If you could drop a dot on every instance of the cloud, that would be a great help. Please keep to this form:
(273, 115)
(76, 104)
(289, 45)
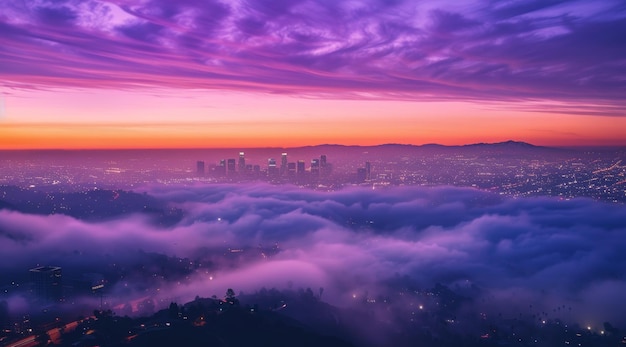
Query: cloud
(553, 251)
(564, 51)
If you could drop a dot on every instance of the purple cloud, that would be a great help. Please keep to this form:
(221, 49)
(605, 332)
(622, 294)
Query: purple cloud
(546, 250)
(566, 51)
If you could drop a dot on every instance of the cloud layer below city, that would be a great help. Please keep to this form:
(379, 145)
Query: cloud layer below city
(538, 251)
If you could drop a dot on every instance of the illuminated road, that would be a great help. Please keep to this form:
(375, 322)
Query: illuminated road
(55, 336)
(27, 342)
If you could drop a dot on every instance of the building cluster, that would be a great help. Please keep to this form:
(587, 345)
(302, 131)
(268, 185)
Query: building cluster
(275, 170)
(567, 174)
(46, 291)
(318, 170)
(48, 285)
(364, 174)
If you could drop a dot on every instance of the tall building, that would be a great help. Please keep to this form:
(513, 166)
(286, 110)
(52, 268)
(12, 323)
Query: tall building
(272, 169)
(368, 171)
(360, 175)
(242, 163)
(220, 169)
(47, 282)
(291, 170)
(324, 166)
(315, 168)
(283, 164)
(200, 168)
(230, 167)
(300, 168)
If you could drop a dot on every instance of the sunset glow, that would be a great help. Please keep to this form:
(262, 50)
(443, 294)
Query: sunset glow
(338, 173)
(156, 74)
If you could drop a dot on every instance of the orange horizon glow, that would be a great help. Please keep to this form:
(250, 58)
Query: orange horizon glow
(119, 120)
(194, 135)
(445, 72)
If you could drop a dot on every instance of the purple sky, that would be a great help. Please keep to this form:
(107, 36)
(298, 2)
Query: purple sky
(476, 50)
(258, 73)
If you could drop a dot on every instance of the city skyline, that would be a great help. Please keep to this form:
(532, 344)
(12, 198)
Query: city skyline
(312, 172)
(78, 75)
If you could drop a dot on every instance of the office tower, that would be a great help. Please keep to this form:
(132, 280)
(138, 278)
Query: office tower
(200, 168)
(47, 282)
(360, 175)
(324, 167)
(315, 168)
(368, 171)
(230, 167)
(328, 170)
(272, 169)
(221, 169)
(283, 164)
(242, 163)
(291, 170)
(300, 168)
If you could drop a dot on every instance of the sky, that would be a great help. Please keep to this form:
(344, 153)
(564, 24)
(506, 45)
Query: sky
(284, 73)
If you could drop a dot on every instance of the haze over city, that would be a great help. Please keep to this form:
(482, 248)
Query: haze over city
(312, 173)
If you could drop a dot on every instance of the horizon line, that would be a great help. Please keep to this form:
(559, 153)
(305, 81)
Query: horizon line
(313, 145)
(260, 147)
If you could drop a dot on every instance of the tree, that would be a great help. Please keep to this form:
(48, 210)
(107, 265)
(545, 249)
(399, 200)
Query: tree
(173, 310)
(101, 314)
(230, 297)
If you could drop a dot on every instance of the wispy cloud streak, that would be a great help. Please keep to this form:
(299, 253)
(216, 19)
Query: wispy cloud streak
(559, 50)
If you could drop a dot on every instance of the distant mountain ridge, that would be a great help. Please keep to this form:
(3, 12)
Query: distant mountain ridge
(509, 147)
(509, 143)
(504, 144)
(512, 144)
